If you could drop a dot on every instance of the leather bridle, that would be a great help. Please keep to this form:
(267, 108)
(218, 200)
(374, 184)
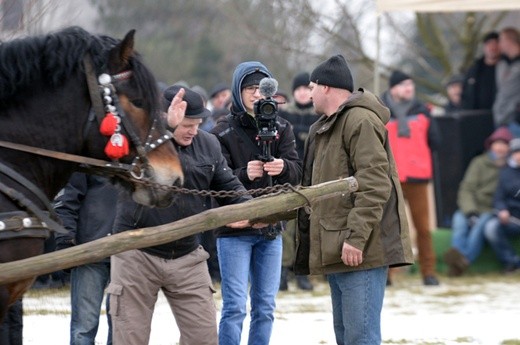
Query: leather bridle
(140, 168)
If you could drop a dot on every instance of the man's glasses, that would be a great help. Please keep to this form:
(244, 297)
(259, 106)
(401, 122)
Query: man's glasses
(251, 89)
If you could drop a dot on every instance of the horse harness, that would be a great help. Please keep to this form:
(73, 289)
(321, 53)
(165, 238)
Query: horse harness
(38, 223)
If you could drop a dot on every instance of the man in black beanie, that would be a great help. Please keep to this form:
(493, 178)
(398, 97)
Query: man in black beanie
(352, 239)
(413, 136)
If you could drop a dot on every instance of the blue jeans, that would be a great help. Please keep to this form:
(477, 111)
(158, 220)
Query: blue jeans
(87, 288)
(357, 300)
(498, 237)
(243, 259)
(469, 241)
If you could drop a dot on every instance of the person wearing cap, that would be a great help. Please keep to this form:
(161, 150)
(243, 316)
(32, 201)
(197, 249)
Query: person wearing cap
(479, 87)
(475, 203)
(506, 203)
(352, 239)
(507, 100)
(252, 256)
(219, 95)
(176, 268)
(454, 92)
(300, 113)
(413, 137)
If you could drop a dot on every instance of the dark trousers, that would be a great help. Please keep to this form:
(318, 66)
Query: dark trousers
(11, 330)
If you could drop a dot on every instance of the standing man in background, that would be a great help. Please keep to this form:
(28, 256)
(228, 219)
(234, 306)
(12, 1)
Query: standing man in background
(413, 136)
(479, 88)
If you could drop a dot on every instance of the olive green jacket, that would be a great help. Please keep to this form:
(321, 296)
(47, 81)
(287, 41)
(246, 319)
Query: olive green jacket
(353, 142)
(478, 186)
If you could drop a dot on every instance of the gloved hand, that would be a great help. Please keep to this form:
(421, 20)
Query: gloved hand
(472, 219)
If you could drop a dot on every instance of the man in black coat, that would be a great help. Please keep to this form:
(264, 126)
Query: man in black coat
(177, 268)
(479, 88)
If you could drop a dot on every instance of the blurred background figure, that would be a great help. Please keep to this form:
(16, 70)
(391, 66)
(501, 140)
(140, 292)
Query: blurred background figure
(454, 93)
(506, 203)
(300, 113)
(219, 96)
(413, 137)
(282, 98)
(479, 87)
(475, 203)
(508, 81)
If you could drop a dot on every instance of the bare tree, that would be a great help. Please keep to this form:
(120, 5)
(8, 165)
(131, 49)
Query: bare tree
(33, 17)
(201, 41)
(432, 46)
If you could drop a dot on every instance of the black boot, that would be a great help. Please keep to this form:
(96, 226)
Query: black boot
(304, 283)
(283, 279)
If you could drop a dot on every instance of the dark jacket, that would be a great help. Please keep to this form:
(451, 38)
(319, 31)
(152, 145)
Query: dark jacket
(87, 208)
(479, 88)
(353, 142)
(241, 147)
(204, 168)
(301, 117)
(507, 193)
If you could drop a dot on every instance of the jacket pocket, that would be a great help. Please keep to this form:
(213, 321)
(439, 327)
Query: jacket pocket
(333, 232)
(115, 291)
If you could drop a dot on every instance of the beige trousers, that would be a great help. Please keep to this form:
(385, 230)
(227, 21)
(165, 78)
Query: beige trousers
(137, 277)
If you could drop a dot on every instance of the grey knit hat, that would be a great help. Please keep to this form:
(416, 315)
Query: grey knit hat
(333, 72)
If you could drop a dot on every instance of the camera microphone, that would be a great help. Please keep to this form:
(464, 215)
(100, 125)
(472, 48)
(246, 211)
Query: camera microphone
(268, 87)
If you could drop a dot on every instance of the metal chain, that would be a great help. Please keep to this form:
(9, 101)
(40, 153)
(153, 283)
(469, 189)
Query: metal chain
(272, 190)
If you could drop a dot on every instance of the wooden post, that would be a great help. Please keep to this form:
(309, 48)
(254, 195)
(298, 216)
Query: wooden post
(93, 251)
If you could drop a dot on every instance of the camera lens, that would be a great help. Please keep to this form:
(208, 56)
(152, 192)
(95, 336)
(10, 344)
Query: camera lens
(268, 108)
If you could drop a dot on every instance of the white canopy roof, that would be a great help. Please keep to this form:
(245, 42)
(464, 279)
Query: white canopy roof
(447, 5)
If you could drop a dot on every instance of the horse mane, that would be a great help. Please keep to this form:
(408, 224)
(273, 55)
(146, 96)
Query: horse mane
(53, 58)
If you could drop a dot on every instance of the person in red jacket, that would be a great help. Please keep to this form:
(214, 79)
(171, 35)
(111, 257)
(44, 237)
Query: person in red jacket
(412, 137)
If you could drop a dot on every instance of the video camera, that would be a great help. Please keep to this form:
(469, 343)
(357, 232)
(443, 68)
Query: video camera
(265, 115)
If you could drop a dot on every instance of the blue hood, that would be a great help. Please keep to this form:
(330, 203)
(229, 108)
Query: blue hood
(242, 70)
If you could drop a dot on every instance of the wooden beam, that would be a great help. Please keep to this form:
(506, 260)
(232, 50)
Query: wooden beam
(259, 208)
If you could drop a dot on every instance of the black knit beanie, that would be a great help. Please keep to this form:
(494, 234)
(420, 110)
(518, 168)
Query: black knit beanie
(301, 79)
(333, 72)
(397, 77)
(252, 79)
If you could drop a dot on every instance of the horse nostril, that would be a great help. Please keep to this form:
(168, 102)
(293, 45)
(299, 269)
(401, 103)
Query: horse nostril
(179, 181)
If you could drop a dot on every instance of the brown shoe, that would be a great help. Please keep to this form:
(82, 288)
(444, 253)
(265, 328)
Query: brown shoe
(456, 261)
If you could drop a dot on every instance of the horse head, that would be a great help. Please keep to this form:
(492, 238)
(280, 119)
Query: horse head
(130, 93)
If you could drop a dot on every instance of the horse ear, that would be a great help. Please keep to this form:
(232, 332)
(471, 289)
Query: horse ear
(120, 54)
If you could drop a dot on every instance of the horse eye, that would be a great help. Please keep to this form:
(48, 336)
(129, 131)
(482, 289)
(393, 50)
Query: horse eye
(137, 102)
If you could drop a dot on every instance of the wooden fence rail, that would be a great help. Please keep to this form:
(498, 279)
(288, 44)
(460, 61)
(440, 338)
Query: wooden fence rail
(258, 208)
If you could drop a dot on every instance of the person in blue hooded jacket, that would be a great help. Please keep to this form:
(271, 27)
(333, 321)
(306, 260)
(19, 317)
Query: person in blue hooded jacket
(249, 254)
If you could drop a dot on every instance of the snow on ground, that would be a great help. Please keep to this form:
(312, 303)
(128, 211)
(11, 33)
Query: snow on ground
(471, 310)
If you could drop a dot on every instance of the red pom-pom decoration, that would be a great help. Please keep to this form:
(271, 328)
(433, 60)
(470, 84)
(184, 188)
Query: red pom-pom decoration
(117, 147)
(108, 125)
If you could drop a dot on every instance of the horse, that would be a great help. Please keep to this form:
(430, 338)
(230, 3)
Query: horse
(73, 100)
